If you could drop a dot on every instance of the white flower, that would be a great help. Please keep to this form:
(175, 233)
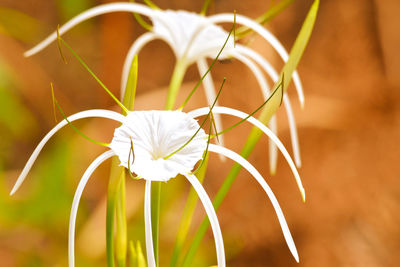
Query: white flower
(155, 135)
(164, 144)
(193, 38)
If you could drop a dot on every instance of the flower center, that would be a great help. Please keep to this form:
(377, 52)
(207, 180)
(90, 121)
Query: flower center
(146, 137)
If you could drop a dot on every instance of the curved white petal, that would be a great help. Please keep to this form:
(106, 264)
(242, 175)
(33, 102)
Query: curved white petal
(229, 111)
(147, 226)
(94, 113)
(273, 125)
(212, 216)
(270, 70)
(75, 203)
(243, 162)
(90, 13)
(134, 50)
(268, 36)
(209, 90)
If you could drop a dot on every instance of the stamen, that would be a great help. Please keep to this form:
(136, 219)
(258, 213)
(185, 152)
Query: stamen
(201, 125)
(279, 85)
(59, 44)
(73, 127)
(131, 151)
(204, 154)
(208, 70)
(54, 104)
(141, 21)
(151, 4)
(93, 75)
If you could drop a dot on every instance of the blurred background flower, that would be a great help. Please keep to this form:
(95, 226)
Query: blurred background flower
(348, 133)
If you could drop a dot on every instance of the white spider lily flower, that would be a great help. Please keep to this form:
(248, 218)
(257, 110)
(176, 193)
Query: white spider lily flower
(157, 146)
(193, 38)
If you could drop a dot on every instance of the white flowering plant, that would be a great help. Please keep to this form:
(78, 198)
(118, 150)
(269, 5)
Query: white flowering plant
(157, 145)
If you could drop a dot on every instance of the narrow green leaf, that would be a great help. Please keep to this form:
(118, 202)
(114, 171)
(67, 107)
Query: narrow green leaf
(121, 233)
(268, 111)
(266, 17)
(117, 173)
(141, 260)
(131, 85)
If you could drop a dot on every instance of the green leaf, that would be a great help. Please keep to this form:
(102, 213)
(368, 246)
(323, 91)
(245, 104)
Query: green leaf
(264, 18)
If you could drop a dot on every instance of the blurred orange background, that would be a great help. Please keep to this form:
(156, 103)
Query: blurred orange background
(348, 130)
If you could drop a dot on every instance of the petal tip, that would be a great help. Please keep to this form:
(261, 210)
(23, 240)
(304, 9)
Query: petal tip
(303, 195)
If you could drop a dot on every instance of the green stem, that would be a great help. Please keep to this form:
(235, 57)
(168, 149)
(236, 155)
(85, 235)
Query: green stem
(175, 84)
(121, 237)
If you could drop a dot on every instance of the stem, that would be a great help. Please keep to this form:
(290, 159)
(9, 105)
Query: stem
(121, 237)
(175, 84)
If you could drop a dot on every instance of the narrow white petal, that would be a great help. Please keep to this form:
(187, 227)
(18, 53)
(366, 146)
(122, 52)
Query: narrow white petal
(75, 203)
(293, 131)
(209, 90)
(233, 112)
(250, 168)
(147, 226)
(212, 216)
(274, 76)
(273, 124)
(94, 113)
(134, 50)
(90, 13)
(268, 36)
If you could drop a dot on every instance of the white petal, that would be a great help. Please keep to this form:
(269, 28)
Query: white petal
(209, 90)
(274, 76)
(243, 162)
(94, 113)
(75, 203)
(273, 152)
(134, 50)
(268, 36)
(155, 135)
(90, 13)
(190, 35)
(212, 216)
(147, 226)
(229, 111)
